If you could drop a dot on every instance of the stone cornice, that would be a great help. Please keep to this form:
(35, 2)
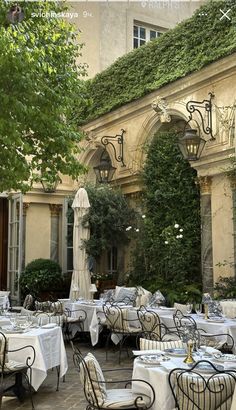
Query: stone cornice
(176, 90)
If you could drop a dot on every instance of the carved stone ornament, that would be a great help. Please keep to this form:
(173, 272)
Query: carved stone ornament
(225, 117)
(55, 209)
(205, 184)
(160, 105)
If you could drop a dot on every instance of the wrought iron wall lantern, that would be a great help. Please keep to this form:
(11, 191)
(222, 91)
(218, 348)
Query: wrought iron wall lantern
(104, 170)
(50, 187)
(191, 144)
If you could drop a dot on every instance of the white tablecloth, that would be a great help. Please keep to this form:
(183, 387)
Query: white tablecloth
(227, 327)
(49, 348)
(158, 378)
(95, 316)
(229, 308)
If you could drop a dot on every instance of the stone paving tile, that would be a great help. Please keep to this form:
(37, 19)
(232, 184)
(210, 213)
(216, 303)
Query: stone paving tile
(70, 395)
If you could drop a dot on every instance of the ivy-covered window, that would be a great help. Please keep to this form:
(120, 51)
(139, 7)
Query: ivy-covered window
(142, 34)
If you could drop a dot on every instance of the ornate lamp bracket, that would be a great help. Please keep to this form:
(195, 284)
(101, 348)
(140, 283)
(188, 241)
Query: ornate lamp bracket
(119, 139)
(201, 107)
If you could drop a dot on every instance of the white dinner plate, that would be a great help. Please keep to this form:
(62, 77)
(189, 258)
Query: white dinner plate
(49, 326)
(153, 358)
(216, 320)
(176, 352)
(225, 358)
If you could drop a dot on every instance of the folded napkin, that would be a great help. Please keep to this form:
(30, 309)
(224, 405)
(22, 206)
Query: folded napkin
(212, 350)
(146, 352)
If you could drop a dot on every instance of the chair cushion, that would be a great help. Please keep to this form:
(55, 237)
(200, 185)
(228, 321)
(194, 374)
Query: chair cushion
(28, 302)
(124, 398)
(191, 388)
(96, 387)
(128, 294)
(13, 366)
(181, 307)
(143, 297)
(3, 349)
(146, 344)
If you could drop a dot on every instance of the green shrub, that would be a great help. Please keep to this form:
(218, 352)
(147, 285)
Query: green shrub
(225, 288)
(167, 252)
(40, 275)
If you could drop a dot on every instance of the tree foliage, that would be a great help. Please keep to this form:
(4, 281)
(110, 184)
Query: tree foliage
(108, 219)
(188, 47)
(39, 84)
(168, 252)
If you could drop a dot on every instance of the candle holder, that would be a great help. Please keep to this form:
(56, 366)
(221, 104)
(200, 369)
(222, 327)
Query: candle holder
(206, 311)
(189, 359)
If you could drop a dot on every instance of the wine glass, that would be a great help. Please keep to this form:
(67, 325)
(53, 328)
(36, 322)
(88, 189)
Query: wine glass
(189, 308)
(198, 308)
(201, 351)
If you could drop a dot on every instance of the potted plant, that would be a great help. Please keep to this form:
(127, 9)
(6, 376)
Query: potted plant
(41, 278)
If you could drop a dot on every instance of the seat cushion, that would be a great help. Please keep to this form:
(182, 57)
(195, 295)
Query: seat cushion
(192, 393)
(123, 398)
(3, 349)
(94, 386)
(126, 294)
(13, 366)
(146, 344)
(181, 307)
(28, 302)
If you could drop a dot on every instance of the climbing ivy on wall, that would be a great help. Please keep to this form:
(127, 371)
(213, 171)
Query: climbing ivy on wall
(188, 47)
(167, 251)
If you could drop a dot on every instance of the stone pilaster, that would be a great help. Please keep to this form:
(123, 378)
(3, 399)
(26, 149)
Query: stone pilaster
(25, 208)
(206, 234)
(54, 242)
(233, 187)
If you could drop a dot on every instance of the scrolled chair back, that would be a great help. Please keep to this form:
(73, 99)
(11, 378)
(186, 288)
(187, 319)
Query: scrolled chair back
(113, 315)
(182, 321)
(202, 391)
(150, 323)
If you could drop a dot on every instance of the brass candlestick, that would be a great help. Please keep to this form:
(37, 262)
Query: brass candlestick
(206, 310)
(189, 359)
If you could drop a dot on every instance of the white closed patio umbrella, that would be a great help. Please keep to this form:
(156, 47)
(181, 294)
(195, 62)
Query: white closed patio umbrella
(81, 281)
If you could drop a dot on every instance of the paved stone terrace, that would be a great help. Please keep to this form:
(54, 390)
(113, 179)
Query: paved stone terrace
(70, 394)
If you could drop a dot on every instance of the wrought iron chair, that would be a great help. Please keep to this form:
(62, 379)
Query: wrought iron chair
(119, 326)
(150, 323)
(76, 317)
(10, 369)
(200, 391)
(183, 322)
(99, 397)
(220, 341)
(152, 328)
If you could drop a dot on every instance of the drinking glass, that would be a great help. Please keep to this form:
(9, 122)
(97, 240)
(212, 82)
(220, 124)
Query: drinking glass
(189, 308)
(198, 308)
(201, 351)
